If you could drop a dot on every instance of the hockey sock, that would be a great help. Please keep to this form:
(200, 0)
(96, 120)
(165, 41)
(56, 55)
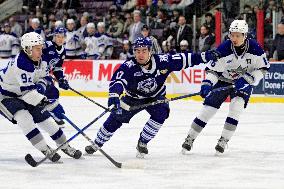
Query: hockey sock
(201, 120)
(53, 130)
(26, 123)
(150, 130)
(235, 110)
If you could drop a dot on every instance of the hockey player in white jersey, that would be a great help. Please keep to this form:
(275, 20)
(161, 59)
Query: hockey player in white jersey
(243, 64)
(9, 43)
(105, 42)
(91, 43)
(21, 102)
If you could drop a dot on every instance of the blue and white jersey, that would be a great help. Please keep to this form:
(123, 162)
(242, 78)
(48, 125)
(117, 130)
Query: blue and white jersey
(9, 45)
(104, 41)
(141, 83)
(54, 57)
(73, 44)
(232, 66)
(20, 76)
(91, 43)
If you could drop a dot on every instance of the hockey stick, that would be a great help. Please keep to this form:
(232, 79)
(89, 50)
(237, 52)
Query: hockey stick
(129, 108)
(32, 162)
(84, 96)
(115, 163)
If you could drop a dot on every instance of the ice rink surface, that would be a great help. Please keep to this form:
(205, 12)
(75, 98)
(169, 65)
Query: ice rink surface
(254, 159)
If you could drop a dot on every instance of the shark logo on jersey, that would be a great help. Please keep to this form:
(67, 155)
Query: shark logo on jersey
(163, 58)
(235, 73)
(147, 86)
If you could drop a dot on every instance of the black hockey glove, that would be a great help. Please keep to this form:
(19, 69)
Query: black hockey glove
(114, 101)
(63, 83)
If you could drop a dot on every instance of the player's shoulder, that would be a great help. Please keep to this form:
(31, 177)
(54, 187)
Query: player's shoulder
(24, 63)
(128, 64)
(254, 48)
(225, 48)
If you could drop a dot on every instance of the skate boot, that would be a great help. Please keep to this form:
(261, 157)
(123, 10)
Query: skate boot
(221, 145)
(72, 152)
(187, 145)
(54, 158)
(141, 149)
(91, 149)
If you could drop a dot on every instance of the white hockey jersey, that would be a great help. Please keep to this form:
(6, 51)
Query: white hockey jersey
(9, 45)
(232, 66)
(73, 44)
(19, 78)
(105, 44)
(91, 43)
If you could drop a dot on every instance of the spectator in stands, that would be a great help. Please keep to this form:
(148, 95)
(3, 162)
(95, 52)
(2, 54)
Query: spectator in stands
(127, 23)
(9, 43)
(182, 32)
(150, 9)
(30, 5)
(206, 39)
(277, 49)
(15, 27)
(156, 49)
(135, 27)
(184, 46)
(115, 28)
(127, 52)
(167, 47)
(162, 6)
(210, 22)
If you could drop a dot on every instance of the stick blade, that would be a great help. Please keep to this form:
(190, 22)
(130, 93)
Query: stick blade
(30, 160)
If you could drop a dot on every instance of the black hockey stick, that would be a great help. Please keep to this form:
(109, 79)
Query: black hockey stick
(84, 96)
(31, 161)
(129, 108)
(115, 163)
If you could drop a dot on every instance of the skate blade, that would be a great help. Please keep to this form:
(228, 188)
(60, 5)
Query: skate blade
(140, 155)
(86, 154)
(217, 153)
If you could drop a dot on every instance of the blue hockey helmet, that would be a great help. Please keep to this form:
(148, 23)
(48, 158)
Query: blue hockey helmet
(60, 30)
(142, 42)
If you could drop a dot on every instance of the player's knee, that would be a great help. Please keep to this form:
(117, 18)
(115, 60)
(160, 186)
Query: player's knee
(236, 107)
(207, 113)
(111, 124)
(161, 115)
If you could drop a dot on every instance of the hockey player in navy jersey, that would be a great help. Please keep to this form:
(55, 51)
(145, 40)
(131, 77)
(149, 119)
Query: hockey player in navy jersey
(53, 56)
(142, 78)
(242, 63)
(20, 101)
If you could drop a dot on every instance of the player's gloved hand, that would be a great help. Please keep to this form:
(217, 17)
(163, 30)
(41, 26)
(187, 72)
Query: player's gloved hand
(63, 83)
(114, 101)
(58, 111)
(243, 86)
(41, 87)
(206, 88)
(210, 55)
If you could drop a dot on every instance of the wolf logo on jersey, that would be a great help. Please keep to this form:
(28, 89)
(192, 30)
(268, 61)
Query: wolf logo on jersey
(147, 86)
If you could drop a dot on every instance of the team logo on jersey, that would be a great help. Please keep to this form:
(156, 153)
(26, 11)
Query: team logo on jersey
(235, 73)
(164, 71)
(51, 52)
(129, 63)
(147, 86)
(163, 58)
(137, 74)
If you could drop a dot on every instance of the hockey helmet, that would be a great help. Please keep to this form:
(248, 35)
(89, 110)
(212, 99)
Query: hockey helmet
(29, 40)
(240, 26)
(142, 42)
(60, 30)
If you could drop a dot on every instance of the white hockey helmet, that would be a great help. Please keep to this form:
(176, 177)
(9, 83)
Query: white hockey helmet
(240, 26)
(29, 40)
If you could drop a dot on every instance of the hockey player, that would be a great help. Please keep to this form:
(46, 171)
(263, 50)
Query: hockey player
(53, 56)
(91, 42)
(242, 63)
(20, 101)
(105, 42)
(142, 78)
(9, 43)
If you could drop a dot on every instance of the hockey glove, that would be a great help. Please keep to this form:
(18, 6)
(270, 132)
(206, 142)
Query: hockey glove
(63, 84)
(114, 101)
(210, 55)
(206, 88)
(243, 86)
(41, 87)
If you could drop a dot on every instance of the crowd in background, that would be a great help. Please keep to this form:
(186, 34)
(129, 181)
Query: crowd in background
(167, 22)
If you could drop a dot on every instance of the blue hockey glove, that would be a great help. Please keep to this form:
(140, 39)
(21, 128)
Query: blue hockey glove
(63, 84)
(114, 101)
(41, 87)
(58, 111)
(206, 88)
(243, 87)
(210, 55)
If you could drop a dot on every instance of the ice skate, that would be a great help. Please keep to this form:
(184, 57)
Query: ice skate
(91, 149)
(221, 145)
(48, 152)
(72, 152)
(141, 149)
(187, 145)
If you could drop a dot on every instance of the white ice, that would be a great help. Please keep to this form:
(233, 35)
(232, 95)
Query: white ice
(254, 159)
